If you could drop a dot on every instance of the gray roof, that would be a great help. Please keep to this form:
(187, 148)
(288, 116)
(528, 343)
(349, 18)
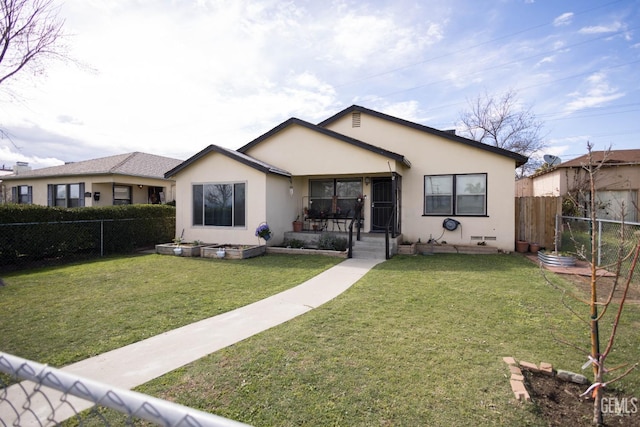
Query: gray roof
(132, 164)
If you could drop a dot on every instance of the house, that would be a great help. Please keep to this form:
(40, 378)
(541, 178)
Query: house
(3, 171)
(122, 179)
(617, 183)
(409, 177)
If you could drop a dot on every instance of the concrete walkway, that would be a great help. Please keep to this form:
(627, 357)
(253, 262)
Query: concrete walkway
(138, 363)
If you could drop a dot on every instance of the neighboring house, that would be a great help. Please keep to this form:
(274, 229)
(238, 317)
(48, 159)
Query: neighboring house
(3, 171)
(617, 182)
(411, 176)
(123, 179)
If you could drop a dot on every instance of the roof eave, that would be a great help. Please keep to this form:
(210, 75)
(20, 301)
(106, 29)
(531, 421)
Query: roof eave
(217, 149)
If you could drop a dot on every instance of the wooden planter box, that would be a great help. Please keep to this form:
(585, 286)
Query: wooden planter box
(234, 251)
(407, 249)
(187, 250)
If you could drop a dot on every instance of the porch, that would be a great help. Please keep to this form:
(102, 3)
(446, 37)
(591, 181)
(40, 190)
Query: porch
(370, 245)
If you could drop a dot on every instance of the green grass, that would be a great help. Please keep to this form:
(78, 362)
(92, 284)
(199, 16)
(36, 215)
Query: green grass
(418, 341)
(60, 315)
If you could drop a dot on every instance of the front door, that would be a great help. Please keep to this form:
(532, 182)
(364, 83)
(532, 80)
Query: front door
(381, 203)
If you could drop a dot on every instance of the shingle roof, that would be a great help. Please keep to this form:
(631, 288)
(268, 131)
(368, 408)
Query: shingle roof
(236, 155)
(133, 164)
(614, 157)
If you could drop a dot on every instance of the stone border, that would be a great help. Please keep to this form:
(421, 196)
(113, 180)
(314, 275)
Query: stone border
(517, 379)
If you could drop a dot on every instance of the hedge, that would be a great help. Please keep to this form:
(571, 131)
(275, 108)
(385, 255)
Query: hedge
(32, 233)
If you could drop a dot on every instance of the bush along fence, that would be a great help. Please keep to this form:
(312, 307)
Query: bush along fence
(37, 234)
(575, 232)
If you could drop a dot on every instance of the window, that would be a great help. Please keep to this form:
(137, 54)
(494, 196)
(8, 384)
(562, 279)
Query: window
(66, 195)
(455, 194)
(329, 196)
(22, 194)
(121, 195)
(219, 204)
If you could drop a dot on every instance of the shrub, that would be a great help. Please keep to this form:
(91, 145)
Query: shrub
(31, 233)
(331, 242)
(293, 243)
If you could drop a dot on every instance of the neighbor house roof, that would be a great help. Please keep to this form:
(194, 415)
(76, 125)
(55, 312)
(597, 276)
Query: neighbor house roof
(611, 158)
(520, 159)
(133, 164)
(235, 155)
(327, 132)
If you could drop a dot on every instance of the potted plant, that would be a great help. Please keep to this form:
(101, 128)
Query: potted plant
(263, 231)
(297, 225)
(522, 246)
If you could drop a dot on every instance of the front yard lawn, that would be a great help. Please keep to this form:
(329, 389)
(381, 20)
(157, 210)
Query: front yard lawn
(418, 341)
(60, 315)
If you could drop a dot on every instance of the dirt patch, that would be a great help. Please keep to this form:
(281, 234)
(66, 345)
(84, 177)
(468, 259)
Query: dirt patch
(605, 284)
(559, 403)
(580, 277)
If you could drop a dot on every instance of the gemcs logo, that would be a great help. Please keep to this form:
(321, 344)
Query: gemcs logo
(619, 406)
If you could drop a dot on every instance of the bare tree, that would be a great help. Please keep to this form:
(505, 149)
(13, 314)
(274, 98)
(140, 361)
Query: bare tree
(626, 252)
(30, 34)
(500, 121)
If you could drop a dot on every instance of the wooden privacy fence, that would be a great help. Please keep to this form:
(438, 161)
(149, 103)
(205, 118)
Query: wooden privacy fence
(536, 219)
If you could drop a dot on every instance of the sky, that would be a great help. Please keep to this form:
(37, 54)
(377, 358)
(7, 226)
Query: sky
(170, 77)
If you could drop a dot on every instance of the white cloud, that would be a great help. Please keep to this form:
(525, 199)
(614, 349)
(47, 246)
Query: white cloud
(564, 19)
(596, 92)
(599, 29)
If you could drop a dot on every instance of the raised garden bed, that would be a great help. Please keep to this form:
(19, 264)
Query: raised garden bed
(185, 249)
(234, 251)
(407, 249)
(556, 259)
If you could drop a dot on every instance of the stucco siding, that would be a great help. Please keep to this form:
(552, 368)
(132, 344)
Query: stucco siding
(92, 184)
(280, 207)
(548, 185)
(433, 155)
(217, 168)
(302, 151)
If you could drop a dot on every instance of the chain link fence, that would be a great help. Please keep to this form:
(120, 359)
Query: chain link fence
(24, 245)
(575, 238)
(48, 397)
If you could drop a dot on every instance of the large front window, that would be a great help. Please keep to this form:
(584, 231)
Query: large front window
(455, 194)
(66, 195)
(333, 196)
(219, 204)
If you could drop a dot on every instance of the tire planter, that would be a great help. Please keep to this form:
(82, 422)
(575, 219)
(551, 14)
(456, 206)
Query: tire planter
(555, 260)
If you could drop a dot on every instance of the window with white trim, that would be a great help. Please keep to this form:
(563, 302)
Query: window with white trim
(222, 204)
(463, 194)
